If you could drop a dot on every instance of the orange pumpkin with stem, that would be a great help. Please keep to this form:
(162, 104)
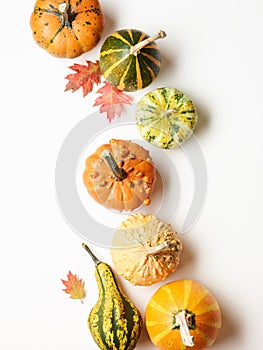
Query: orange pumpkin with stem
(120, 175)
(66, 28)
(183, 315)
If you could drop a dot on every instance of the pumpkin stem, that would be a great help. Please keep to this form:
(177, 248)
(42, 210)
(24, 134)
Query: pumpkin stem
(181, 320)
(119, 173)
(94, 258)
(136, 48)
(63, 9)
(157, 248)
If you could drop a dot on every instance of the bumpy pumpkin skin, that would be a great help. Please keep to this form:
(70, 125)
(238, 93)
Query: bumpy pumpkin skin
(67, 37)
(145, 249)
(131, 192)
(174, 297)
(126, 71)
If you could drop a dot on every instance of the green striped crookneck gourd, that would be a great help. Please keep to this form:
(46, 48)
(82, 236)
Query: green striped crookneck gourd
(130, 60)
(114, 321)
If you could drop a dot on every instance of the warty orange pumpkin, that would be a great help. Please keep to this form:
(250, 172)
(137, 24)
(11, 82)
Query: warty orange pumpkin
(183, 315)
(120, 175)
(67, 28)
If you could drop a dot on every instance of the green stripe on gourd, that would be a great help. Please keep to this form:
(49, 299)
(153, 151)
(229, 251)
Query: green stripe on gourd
(130, 60)
(166, 117)
(114, 321)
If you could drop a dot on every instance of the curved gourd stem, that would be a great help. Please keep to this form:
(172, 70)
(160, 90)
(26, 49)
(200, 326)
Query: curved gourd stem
(181, 321)
(119, 173)
(94, 258)
(157, 248)
(136, 48)
(63, 9)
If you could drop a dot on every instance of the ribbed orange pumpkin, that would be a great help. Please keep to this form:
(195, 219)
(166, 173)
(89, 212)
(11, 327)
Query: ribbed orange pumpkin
(182, 307)
(67, 28)
(120, 175)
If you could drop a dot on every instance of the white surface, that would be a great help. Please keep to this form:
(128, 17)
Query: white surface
(213, 52)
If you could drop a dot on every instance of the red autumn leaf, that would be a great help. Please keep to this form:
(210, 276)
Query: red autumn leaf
(74, 287)
(85, 77)
(111, 100)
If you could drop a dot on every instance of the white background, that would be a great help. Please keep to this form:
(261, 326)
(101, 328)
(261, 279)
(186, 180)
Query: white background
(213, 52)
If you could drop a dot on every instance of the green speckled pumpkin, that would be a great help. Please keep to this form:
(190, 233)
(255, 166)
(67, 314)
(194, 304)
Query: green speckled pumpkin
(166, 117)
(67, 28)
(130, 60)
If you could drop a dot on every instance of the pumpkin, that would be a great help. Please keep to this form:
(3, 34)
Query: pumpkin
(181, 315)
(129, 59)
(114, 321)
(67, 29)
(166, 117)
(145, 249)
(120, 175)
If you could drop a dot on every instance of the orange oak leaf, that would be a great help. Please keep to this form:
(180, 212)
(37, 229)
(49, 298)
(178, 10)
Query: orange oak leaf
(111, 100)
(74, 287)
(85, 77)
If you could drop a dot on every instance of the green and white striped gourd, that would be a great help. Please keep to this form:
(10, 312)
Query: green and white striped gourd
(166, 117)
(129, 59)
(114, 321)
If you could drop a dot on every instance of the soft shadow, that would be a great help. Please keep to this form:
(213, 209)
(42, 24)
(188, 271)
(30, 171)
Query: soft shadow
(188, 257)
(231, 326)
(203, 118)
(187, 264)
(145, 339)
(167, 66)
(110, 25)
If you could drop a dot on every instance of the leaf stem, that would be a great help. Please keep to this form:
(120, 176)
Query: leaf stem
(136, 48)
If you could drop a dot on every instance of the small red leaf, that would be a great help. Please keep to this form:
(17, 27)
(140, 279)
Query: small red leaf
(111, 100)
(74, 287)
(85, 77)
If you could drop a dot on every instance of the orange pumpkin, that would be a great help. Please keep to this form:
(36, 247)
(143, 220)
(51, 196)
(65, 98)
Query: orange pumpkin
(183, 315)
(67, 28)
(120, 175)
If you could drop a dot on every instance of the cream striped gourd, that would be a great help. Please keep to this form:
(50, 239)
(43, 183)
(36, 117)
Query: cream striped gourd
(129, 59)
(182, 315)
(166, 117)
(114, 321)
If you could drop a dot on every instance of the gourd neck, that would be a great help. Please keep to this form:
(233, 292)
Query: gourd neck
(94, 258)
(134, 50)
(184, 321)
(104, 275)
(119, 173)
